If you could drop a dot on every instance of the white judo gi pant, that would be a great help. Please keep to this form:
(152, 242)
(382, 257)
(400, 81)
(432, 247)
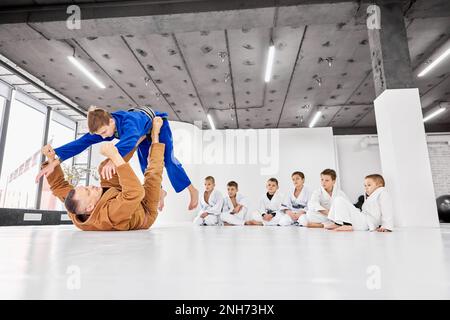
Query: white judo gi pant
(209, 220)
(286, 220)
(343, 210)
(258, 217)
(237, 219)
(316, 217)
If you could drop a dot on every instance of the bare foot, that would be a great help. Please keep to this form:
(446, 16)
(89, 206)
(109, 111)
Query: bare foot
(314, 225)
(331, 226)
(344, 228)
(194, 197)
(253, 223)
(227, 224)
(162, 195)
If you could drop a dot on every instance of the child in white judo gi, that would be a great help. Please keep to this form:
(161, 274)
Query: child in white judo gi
(270, 206)
(322, 199)
(235, 206)
(376, 214)
(295, 204)
(211, 203)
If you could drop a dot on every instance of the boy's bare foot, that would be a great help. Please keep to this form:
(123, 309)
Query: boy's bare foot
(162, 195)
(194, 197)
(253, 223)
(344, 228)
(331, 226)
(314, 225)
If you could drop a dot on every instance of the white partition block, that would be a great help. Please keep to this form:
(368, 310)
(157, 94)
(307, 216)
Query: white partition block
(404, 157)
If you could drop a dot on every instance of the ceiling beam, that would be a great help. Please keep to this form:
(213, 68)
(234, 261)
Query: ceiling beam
(144, 17)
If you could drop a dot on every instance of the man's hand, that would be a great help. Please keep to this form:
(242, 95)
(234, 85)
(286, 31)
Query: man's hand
(48, 151)
(156, 128)
(381, 229)
(267, 217)
(109, 150)
(45, 171)
(204, 215)
(108, 170)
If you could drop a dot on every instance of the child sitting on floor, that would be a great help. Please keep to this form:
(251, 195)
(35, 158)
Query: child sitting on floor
(376, 214)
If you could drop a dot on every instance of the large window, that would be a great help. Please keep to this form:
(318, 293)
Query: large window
(22, 155)
(2, 108)
(61, 131)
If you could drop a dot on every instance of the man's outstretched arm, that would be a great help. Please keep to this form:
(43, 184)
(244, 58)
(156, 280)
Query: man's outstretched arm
(154, 171)
(59, 186)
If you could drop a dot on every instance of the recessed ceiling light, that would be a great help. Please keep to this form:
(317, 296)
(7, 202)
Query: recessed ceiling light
(269, 64)
(433, 64)
(86, 72)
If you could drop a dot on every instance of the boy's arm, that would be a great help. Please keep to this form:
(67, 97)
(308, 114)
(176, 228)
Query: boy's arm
(244, 208)
(286, 204)
(58, 185)
(314, 202)
(225, 208)
(262, 207)
(77, 146)
(216, 209)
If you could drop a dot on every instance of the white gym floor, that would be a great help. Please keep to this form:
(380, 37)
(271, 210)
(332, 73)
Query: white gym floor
(187, 262)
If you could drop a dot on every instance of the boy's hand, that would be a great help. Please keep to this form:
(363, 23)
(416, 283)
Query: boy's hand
(109, 150)
(204, 215)
(108, 170)
(381, 229)
(295, 216)
(237, 208)
(267, 217)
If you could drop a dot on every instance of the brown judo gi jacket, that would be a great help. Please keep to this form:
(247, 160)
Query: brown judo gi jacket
(127, 204)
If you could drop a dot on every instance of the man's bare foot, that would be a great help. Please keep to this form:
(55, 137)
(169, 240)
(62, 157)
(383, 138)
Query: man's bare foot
(227, 224)
(162, 195)
(253, 223)
(331, 226)
(344, 228)
(194, 197)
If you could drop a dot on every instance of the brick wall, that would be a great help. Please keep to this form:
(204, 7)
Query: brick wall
(439, 151)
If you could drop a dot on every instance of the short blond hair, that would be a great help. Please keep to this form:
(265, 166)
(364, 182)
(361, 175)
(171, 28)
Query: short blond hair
(210, 178)
(378, 178)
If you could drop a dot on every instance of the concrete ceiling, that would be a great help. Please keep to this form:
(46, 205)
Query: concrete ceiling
(191, 63)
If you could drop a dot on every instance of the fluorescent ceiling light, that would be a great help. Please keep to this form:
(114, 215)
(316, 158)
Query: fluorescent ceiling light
(434, 114)
(434, 63)
(315, 119)
(269, 63)
(86, 71)
(211, 122)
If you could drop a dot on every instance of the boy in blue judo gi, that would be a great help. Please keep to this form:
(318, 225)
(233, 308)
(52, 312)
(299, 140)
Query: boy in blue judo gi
(132, 128)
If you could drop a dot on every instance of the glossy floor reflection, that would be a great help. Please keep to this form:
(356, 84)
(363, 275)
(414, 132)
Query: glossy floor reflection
(186, 262)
